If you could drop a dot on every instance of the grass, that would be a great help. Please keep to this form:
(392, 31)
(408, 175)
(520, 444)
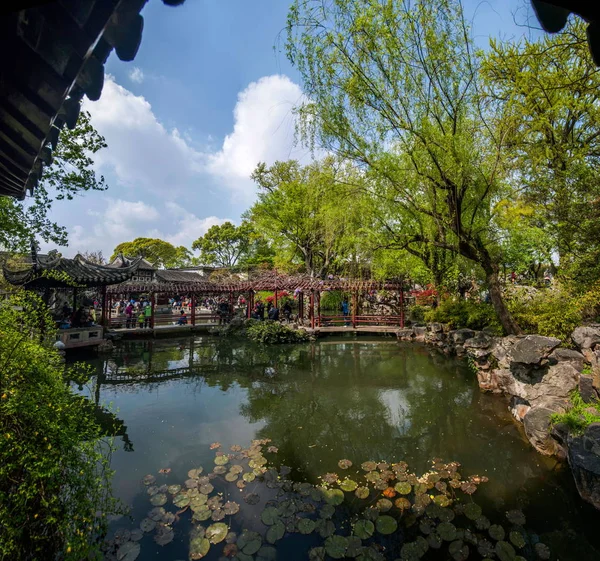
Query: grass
(579, 416)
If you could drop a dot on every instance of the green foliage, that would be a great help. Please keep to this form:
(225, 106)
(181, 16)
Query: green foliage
(158, 252)
(464, 314)
(71, 173)
(417, 313)
(273, 332)
(579, 415)
(332, 300)
(225, 245)
(54, 475)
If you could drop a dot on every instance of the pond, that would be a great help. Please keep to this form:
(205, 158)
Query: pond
(340, 398)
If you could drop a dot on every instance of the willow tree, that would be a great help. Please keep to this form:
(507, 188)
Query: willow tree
(394, 87)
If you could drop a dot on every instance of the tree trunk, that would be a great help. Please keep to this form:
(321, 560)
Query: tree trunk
(509, 325)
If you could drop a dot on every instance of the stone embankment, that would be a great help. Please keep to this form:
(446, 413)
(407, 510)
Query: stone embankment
(538, 375)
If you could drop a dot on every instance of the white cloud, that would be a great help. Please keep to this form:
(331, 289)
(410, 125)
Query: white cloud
(136, 75)
(263, 131)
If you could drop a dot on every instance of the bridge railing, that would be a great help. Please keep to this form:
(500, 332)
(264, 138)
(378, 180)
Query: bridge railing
(357, 321)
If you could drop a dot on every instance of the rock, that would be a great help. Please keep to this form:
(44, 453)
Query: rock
(568, 355)
(501, 350)
(533, 348)
(420, 333)
(479, 341)
(519, 408)
(586, 388)
(499, 380)
(584, 459)
(436, 327)
(537, 427)
(406, 334)
(585, 337)
(557, 381)
(459, 336)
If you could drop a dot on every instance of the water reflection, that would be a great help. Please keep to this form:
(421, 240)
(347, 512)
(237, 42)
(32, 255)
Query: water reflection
(354, 399)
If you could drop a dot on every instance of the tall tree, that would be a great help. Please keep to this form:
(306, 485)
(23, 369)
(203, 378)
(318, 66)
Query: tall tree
(550, 93)
(70, 174)
(158, 252)
(394, 87)
(309, 212)
(224, 245)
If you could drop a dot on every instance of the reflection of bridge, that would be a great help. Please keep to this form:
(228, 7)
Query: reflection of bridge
(154, 376)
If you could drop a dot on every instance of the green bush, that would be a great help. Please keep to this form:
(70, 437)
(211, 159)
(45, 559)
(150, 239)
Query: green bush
(331, 300)
(460, 314)
(54, 476)
(579, 415)
(273, 332)
(417, 313)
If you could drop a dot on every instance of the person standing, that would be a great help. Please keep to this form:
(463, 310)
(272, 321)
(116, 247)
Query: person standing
(346, 311)
(147, 311)
(129, 315)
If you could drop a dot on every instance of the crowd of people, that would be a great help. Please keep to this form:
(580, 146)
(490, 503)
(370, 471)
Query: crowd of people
(83, 316)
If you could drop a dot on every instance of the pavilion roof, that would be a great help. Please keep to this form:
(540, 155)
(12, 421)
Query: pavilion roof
(120, 262)
(54, 271)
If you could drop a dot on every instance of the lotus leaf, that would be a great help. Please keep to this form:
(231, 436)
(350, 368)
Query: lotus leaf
(182, 500)
(218, 514)
(348, 485)
(315, 495)
(497, 532)
(410, 552)
(174, 489)
(236, 468)
(344, 464)
(542, 551)
(434, 541)
(389, 492)
(441, 500)
(306, 526)
(270, 515)
(305, 489)
(472, 511)
(202, 515)
(403, 487)
(505, 551)
(327, 511)
(427, 526)
(195, 473)
(235, 448)
(446, 515)
(231, 537)
(354, 546)
(336, 546)
(215, 445)
(252, 499)
(325, 527)
(152, 490)
(192, 493)
(266, 553)
(330, 477)
(386, 524)
(468, 487)
(384, 505)
(168, 518)
(122, 535)
(221, 460)
(216, 533)
(147, 525)
(441, 486)
(368, 466)
(373, 477)
(371, 514)
(333, 496)
(191, 483)
(364, 529)
(482, 523)
(275, 532)
(369, 554)
(231, 477)
(230, 550)
(517, 539)
(249, 477)
(156, 513)
(447, 531)
(362, 492)
(148, 479)
(402, 503)
(316, 554)
(219, 470)
(128, 551)
(206, 489)
(285, 470)
(136, 534)
(458, 550)
(199, 547)
(249, 542)
(287, 508)
(516, 517)
(231, 508)
(307, 507)
(164, 536)
(240, 484)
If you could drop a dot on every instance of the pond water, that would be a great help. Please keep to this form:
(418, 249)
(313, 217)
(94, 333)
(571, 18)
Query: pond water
(356, 399)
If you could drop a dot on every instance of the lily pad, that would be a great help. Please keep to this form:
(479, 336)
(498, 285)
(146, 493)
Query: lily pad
(327, 511)
(447, 531)
(168, 518)
(368, 466)
(333, 497)
(306, 526)
(402, 503)
(216, 533)
(136, 534)
(384, 505)
(148, 479)
(249, 477)
(364, 529)
(386, 524)
(336, 546)
(505, 551)
(202, 515)
(472, 511)
(325, 528)
(164, 536)
(129, 551)
(231, 477)
(542, 551)
(195, 473)
(344, 464)
(218, 514)
(330, 478)
(147, 525)
(362, 492)
(497, 532)
(174, 489)
(157, 513)
(199, 547)
(191, 483)
(206, 489)
(215, 445)
(181, 500)
(516, 517)
(403, 487)
(348, 485)
(441, 500)
(269, 516)
(152, 490)
(354, 546)
(266, 553)
(517, 539)
(275, 532)
(287, 508)
(482, 523)
(249, 542)
(221, 460)
(252, 498)
(236, 468)
(316, 554)
(458, 550)
(230, 508)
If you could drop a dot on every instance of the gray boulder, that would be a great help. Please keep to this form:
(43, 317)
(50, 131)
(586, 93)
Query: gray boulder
(459, 336)
(479, 341)
(584, 459)
(406, 334)
(532, 349)
(419, 332)
(586, 388)
(436, 327)
(571, 356)
(586, 337)
(557, 381)
(536, 424)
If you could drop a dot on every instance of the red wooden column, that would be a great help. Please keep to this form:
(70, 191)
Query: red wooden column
(311, 309)
(319, 308)
(402, 306)
(301, 307)
(354, 307)
(152, 299)
(193, 309)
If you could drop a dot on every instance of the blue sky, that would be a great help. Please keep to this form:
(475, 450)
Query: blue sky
(209, 95)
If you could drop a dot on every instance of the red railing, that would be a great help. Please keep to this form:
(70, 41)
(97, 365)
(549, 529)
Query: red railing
(356, 321)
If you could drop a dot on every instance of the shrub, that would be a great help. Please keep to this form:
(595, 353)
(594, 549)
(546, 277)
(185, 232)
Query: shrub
(465, 313)
(417, 313)
(579, 415)
(54, 474)
(273, 332)
(331, 300)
